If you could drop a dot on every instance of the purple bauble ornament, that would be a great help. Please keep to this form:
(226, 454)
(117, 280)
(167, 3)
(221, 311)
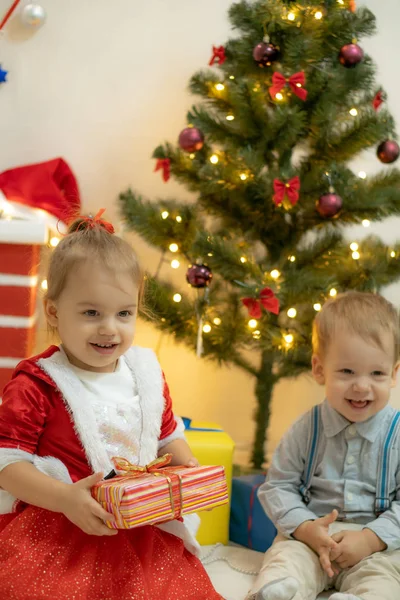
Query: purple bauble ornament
(388, 151)
(191, 139)
(265, 53)
(351, 55)
(329, 205)
(199, 276)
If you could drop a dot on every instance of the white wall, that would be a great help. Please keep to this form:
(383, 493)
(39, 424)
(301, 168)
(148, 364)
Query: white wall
(102, 84)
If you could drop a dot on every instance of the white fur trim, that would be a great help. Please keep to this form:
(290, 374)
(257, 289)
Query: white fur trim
(53, 467)
(82, 415)
(48, 465)
(176, 435)
(8, 456)
(147, 374)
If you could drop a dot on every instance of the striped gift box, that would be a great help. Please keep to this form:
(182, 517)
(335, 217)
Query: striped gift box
(161, 495)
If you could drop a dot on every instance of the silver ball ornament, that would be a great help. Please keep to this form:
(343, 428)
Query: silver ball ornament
(33, 15)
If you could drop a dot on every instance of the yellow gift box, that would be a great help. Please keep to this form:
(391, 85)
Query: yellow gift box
(212, 446)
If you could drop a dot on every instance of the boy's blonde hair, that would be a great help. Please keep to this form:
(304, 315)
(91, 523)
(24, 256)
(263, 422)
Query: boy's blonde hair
(365, 314)
(88, 239)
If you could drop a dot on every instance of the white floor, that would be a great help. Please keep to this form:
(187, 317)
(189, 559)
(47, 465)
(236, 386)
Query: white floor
(233, 569)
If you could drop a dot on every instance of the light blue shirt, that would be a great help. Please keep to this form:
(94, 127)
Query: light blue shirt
(345, 476)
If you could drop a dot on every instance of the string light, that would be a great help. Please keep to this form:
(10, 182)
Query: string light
(256, 334)
(289, 338)
(252, 323)
(219, 86)
(292, 312)
(217, 321)
(292, 258)
(243, 259)
(340, 1)
(164, 214)
(214, 159)
(192, 156)
(362, 175)
(333, 292)
(243, 176)
(291, 16)
(317, 306)
(365, 223)
(44, 284)
(54, 242)
(354, 246)
(210, 254)
(353, 112)
(177, 298)
(230, 117)
(231, 77)
(275, 273)
(318, 15)
(178, 219)
(278, 96)
(355, 255)
(175, 264)
(207, 328)
(393, 254)
(174, 247)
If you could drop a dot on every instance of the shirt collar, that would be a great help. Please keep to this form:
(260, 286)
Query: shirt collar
(334, 422)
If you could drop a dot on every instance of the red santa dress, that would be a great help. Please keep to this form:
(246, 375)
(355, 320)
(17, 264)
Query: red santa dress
(49, 418)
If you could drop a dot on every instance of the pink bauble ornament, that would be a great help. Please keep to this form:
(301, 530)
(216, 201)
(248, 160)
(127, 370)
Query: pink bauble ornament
(191, 139)
(351, 55)
(265, 53)
(388, 151)
(329, 205)
(199, 276)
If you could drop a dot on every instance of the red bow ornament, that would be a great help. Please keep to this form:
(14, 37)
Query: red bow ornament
(295, 82)
(378, 100)
(289, 190)
(267, 299)
(218, 56)
(165, 165)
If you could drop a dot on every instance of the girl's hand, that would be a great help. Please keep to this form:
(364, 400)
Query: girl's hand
(192, 462)
(81, 508)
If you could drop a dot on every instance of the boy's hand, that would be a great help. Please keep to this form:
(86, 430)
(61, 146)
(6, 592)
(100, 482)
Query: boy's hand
(316, 535)
(353, 546)
(81, 509)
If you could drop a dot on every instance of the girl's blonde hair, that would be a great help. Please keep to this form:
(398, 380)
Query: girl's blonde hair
(90, 239)
(365, 314)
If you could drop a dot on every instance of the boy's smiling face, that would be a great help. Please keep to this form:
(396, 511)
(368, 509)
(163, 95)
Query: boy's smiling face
(357, 374)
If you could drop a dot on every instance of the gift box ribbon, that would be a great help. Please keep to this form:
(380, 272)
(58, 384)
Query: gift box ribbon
(158, 468)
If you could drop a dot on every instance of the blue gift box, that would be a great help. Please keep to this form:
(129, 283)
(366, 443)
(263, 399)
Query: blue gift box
(249, 525)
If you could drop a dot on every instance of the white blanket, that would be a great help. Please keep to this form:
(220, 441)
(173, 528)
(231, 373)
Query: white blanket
(233, 569)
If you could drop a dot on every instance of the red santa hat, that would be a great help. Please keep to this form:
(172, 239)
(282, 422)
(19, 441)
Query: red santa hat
(50, 186)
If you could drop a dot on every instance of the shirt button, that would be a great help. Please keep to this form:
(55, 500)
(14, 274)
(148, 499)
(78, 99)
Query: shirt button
(351, 460)
(352, 430)
(350, 497)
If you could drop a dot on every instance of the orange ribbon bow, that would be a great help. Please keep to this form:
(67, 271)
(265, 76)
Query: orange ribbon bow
(352, 5)
(295, 81)
(267, 299)
(91, 222)
(289, 189)
(124, 467)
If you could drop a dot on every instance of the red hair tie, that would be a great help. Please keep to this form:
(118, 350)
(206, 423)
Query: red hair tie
(92, 222)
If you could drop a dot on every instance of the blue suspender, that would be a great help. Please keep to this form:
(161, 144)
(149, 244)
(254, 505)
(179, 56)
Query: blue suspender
(382, 501)
(385, 469)
(312, 452)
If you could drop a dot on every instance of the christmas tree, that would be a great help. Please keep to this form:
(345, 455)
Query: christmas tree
(286, 104)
